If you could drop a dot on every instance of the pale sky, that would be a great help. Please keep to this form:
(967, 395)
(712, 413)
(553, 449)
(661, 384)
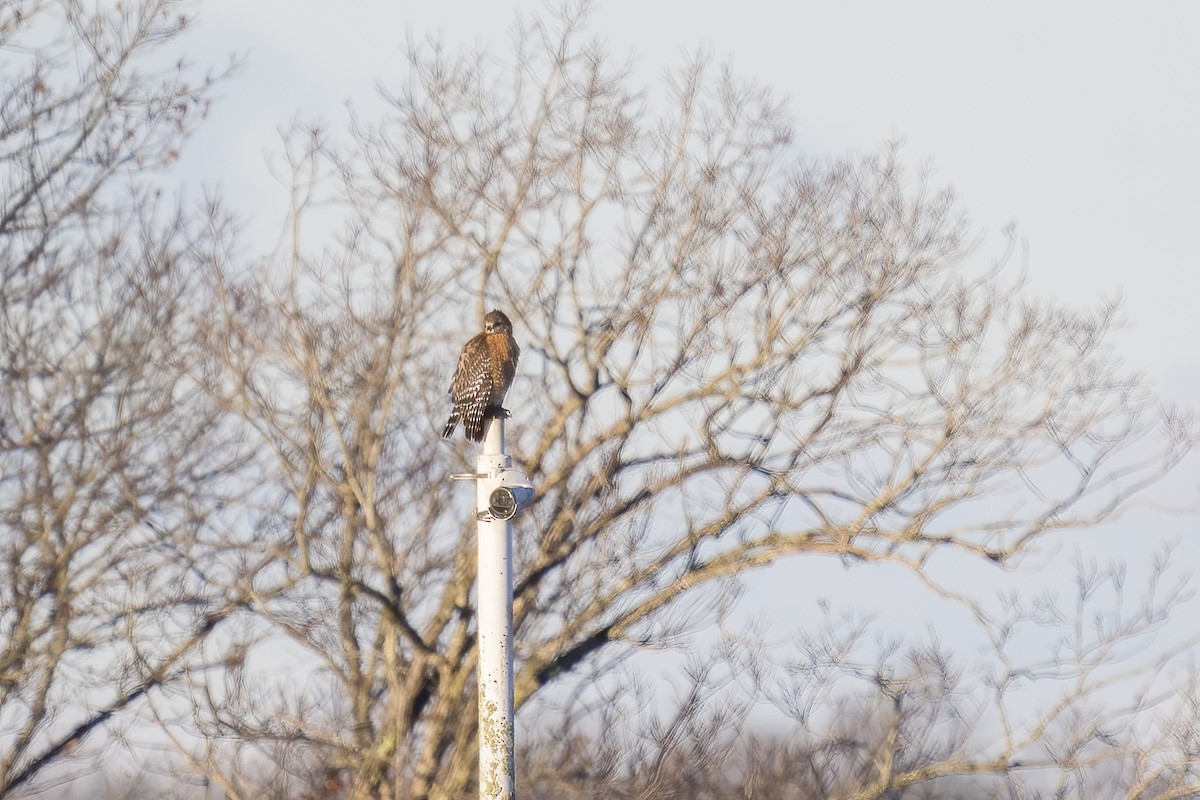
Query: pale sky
(1076, 120)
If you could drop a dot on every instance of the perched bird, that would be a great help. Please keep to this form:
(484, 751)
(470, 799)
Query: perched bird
(485, 371)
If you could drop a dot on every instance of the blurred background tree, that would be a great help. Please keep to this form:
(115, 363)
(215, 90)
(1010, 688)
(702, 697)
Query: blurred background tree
(111, 456)
(233, 505)
(732, 355)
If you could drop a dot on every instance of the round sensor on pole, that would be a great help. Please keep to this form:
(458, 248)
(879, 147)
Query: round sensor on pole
(502, 503)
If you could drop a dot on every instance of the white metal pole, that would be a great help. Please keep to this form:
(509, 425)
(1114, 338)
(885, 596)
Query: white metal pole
(494, 598)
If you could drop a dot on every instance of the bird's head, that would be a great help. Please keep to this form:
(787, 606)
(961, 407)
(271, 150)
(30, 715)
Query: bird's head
(496, 322)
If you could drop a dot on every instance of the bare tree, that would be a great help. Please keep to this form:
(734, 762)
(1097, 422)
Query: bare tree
(733, 355)
(1072, 699)
(109, 454)
(213, 473)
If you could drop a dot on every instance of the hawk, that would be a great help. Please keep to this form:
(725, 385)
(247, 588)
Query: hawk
(485, 371)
